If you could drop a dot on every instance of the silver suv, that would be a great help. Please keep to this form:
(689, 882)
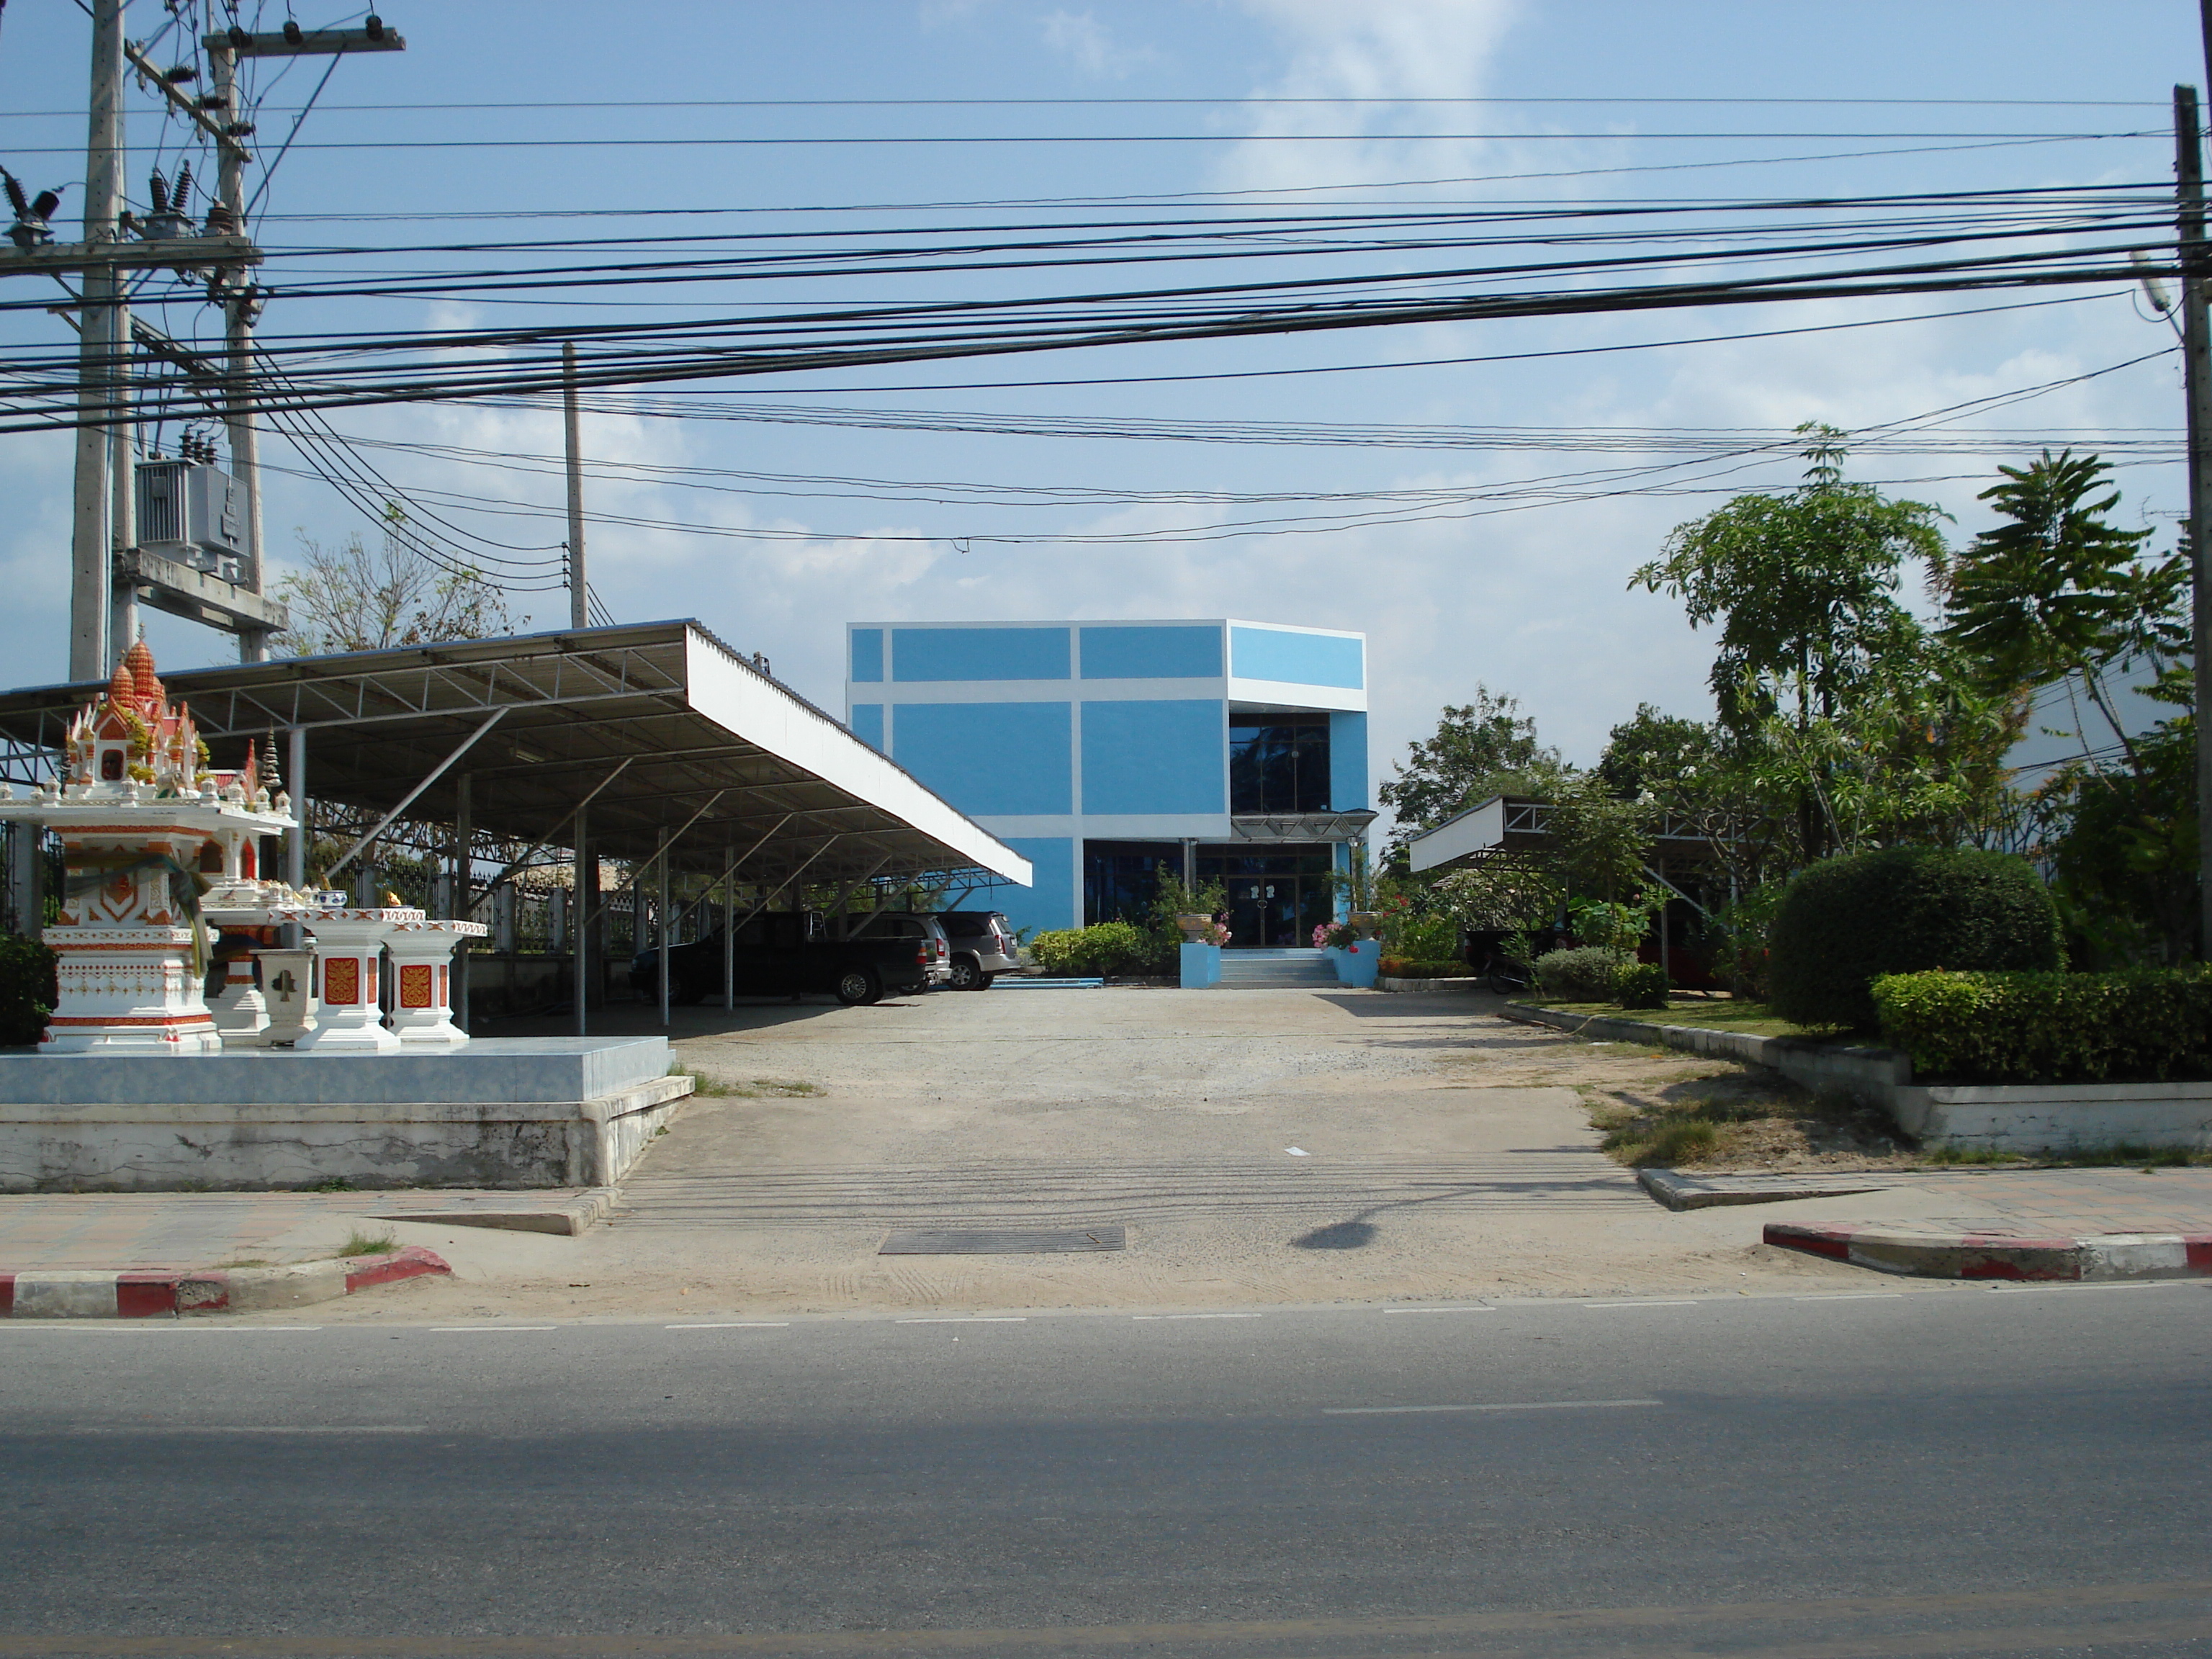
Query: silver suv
(983, 947)
(907, 924)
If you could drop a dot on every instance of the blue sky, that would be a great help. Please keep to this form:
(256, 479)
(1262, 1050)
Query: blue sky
(1533, 601)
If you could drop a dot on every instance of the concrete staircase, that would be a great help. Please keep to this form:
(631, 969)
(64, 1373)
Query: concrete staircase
(1276, 970)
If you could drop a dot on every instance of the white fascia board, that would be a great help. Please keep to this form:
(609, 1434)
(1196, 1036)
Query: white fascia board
(1282, 694)
(1294, 628)
(904, 691)
(1155, 826)
(750, 706)
(1475, 830)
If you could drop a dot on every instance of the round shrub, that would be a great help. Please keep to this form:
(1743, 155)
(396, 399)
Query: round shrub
(1585, 973)
(26, 989)
(1641, 985)
(1903, 910)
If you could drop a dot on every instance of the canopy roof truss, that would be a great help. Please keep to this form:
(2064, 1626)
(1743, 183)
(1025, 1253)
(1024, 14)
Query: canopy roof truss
(707, 744)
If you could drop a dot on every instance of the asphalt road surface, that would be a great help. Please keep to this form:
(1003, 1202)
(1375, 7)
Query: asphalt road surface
(1924, 1471)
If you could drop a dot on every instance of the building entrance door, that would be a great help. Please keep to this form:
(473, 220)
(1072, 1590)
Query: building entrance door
(1277, 912)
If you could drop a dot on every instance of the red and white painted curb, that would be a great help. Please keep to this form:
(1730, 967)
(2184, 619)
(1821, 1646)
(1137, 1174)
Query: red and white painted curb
(159, 1292)
(2001, 1256)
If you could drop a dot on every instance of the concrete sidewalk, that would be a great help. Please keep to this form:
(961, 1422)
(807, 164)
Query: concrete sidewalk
(148, 1231)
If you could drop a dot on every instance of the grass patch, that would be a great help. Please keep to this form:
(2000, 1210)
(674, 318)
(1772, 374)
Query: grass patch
(1734, 1119)
(1751, 1018)
(361, 1244)
(759, 1088)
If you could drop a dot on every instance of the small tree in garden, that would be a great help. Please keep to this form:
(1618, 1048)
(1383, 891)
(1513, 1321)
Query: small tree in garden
(1479, 748)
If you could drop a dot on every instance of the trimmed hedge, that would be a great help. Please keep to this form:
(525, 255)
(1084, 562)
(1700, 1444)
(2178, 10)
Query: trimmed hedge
(1641, 985)
(1905, 910)
(2141, 1026)
(27, 990)
(1585, 973)
(1105, 947)
(1415, 968)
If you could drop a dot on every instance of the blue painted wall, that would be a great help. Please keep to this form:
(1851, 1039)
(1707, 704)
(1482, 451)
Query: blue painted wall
(1050, 901)
(868, 724)
(980, 653)
(1155, 757)
(1347, 762)
(1267, 653)
(1151, 654)
(990, 757)
(868, 654)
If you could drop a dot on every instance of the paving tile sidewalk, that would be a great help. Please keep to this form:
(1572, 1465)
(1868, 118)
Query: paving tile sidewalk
(102, 1230)
(2054, 1203)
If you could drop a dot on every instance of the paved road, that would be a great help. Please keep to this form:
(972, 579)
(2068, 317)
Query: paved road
(1960, 1471)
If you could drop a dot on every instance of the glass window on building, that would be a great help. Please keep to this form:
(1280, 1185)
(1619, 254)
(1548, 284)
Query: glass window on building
(1121, 878)
(1277, 762)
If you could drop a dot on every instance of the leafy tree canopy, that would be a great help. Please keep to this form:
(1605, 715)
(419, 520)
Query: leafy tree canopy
(1479, 748)
(1801, 585)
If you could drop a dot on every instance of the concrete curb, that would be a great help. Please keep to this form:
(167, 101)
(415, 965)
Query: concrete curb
(1999, 1256)
(568, 1221)
(152, 1292)
(1391, 982)
(1679, 1190)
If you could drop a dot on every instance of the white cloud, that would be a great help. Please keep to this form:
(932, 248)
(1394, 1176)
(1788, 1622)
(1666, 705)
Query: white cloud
(1080, 35)
(1384, 51)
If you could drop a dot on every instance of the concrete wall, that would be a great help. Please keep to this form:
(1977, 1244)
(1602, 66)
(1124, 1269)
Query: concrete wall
(557, 1112)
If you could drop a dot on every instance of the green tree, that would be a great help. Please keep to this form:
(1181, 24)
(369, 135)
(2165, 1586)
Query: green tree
(1478, 748)
(1803, 585)
(1658, 754)
(2058, 591)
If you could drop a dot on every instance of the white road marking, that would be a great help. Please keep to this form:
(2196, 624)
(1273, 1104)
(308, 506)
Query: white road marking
(735, 1325)
(1297, 1152)
(262, 1428)
(1636, 1305)
(1527, 1406)
(1438, 1310)
(1855, 1296)
(494, 1328)
(973, 1319)
(1193, 1315)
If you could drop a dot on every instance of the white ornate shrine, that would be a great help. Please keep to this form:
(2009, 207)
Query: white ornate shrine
(161, 852)
(145, 826)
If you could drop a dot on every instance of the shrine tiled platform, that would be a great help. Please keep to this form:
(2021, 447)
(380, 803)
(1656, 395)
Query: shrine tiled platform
(500, 1113)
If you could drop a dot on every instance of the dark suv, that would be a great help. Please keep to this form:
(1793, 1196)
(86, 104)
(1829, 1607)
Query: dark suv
(788, 953)
(983, 947)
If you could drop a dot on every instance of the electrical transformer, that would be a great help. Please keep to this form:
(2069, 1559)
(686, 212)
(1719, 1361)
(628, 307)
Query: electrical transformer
(193, 513)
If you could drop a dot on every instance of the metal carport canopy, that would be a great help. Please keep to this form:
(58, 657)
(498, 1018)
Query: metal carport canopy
(697, 740)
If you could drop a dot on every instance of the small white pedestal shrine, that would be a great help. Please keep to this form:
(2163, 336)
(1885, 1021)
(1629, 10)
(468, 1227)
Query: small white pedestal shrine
(422, 955)
(348, 976)
(140, 819)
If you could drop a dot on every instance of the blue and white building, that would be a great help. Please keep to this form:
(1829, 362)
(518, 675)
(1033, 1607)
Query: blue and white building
(1106, 753)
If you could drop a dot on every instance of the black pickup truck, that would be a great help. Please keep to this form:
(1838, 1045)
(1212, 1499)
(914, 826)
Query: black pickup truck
(786, 953)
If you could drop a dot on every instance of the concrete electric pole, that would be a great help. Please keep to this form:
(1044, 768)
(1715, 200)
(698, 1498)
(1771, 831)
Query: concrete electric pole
(2197, 380)
(579, 606)
(110, 574)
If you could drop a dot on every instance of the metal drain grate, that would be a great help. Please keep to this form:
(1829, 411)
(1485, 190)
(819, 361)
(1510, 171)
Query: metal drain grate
(978, 1241)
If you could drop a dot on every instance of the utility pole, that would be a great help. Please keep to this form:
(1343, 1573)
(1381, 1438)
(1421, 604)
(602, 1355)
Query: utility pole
(578, 608)
(239, 304)
(2197, 379)
(101, 344)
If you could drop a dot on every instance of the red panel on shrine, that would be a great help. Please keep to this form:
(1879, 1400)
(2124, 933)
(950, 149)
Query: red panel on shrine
(341, 980)
(416, 985)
